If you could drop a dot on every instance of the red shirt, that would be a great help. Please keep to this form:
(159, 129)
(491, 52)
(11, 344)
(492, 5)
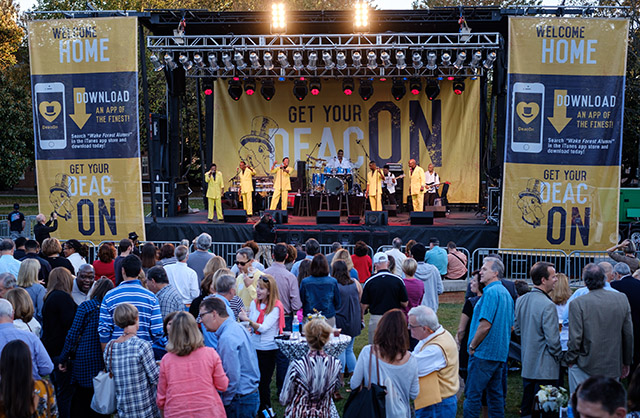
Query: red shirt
(104, 269)
(363, 266)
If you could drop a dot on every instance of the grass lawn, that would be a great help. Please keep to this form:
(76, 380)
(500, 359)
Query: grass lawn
(449, 316)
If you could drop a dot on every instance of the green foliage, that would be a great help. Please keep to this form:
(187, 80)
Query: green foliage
(426, 4)
(10, 33)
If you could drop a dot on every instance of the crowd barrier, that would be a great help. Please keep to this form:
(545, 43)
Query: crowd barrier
(385, 248)
(30, 222)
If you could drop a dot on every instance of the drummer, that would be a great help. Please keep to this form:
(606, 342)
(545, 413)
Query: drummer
(339, 165)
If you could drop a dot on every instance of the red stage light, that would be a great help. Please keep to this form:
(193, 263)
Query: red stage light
(301, 78)
(236, 79)
(250, 92)
(457, 91)
(415, 92)
(348, 92)
(383, 79)
(208, 92)
(450, 78)
(315, 92)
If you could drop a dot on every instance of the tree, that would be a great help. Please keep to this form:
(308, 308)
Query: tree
(11, 33)
(426, 4)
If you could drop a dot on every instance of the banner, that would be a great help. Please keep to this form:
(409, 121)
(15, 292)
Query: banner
(84, 79)
(444, 132)
(564, 133)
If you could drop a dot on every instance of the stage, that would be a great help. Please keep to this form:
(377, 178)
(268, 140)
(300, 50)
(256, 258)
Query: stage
(465, 228)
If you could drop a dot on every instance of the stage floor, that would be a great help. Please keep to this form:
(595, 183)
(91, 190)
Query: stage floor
(463, 227)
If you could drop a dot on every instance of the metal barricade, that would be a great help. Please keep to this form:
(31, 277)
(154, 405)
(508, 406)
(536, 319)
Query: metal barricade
(517, 262)
(385, 248)
(30, 222)
(578, 259)
(227, 250)
(93, 250)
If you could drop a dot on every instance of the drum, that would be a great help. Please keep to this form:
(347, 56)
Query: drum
(340, 170)
(327, 170)
(333, 185)
(347, 171)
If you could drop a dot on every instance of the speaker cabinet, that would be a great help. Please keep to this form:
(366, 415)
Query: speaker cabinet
(279, 216)
(438, 211)
(353, 219)
(421, 218)
(235, 216)
(328, 217)
(375, 218)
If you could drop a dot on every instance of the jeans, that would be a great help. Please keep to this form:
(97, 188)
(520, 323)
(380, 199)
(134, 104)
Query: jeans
(445, 408)
(64, 391)
(530, 388)
(481, 375)
(266, 364)
(282, 362)
(348, 358)
(243, 406)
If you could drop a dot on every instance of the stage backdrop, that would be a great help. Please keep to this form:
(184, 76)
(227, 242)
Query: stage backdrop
(84, 77)
(444, 132)
(564, 133)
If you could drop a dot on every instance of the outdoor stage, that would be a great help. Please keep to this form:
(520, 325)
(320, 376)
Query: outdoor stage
(464, 228)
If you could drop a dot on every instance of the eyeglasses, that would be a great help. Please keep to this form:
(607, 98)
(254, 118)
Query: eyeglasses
(414, 326)
(201, 315)
(264, 279)
(242, 263)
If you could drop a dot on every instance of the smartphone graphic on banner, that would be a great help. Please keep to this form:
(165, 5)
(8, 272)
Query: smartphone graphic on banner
(527, 115)
(51, 116)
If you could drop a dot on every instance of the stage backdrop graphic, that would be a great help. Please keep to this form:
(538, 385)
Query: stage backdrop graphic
(444, 132)
(564, 133)
(84, 78)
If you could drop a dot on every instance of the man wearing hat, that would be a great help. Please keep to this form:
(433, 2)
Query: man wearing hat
(16, 222)
(382, 292)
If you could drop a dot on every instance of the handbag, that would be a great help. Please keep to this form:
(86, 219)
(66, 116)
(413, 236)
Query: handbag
(104, 388)
(367, 401)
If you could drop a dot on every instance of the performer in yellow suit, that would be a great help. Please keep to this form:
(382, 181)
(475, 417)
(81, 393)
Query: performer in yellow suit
(215, 187)
(417, 186)
(246, 186)
(281, 184)
(374, 186)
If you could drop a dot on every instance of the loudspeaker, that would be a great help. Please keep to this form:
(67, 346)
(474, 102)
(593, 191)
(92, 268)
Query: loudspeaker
(279, 216)
(301, 180)
(379, 238)
(375, 218)
(353, 219)
(421, 218)
(329, 236)
(391, 210)
(328, 217)
(438, 211)
(235, 216)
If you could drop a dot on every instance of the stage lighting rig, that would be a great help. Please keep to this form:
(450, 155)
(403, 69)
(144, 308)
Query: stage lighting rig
(372, 63)
(446, 59)
(187, 64)
(313, 61)
(462, 56)
(398, 88)
(458, 86)
(347, 86)
(475, 60)
(197, 58)
(226, 60)
(300, 88)
(157, 65)
(361, 21)
(235, 88)
(282, 59)
(342, 61)
(432, 89)
(255, 61)
(267, 89)
(415, 86)
(366, 89)
(240, 64)
(297, 61)
(213, 63)
(356, 59)
(386, 59)
(169, 62)
(401, 64)
(278, 20)
(315, 86)
(417, 60)
(328, 61)
(249, 86)
(488, 63)
(431, 61)
(268, 61)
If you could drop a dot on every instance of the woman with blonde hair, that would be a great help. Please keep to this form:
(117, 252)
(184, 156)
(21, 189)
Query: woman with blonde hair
(189, 364)
(214, 264)
(560, 294)
(51, 249)
(28, 280)
(23, 311)
(311, 380)
(343, 255)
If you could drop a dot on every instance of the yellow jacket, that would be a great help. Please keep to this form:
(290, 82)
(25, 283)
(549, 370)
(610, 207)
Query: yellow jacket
(374, 182)
(246, 180)
(282, 178)
(214, 188)
(417, 180)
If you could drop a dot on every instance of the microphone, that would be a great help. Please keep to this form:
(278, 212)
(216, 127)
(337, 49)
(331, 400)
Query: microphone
(358, 141)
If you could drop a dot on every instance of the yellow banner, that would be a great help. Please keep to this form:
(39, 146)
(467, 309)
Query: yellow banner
(444, 132)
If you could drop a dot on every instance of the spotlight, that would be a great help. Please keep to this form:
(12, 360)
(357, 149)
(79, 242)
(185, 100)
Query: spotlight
(342, 61)
(432, 89)
(235, 88)
(328, 62)
(267, 90)
(415, 86)
(488, 63)
(213, 63)
(268, 61)
(400, 61)
(431, 61)
(157, 65)
(361, 21)
(185, 61)
(462, 56)
(255, 61)
(475, 59)
(398, 89)
(278, 21)
(372, 63)
(249, 86)
(417, 60)
(226, 60)
(282, 59)
(356, 59)
(297, 61)
(458, 86)
(169, 62)
(240, 64)
(446, 59)
(300, 88)
(197, 58)
(348, 86)
(385, 57)
(315, 86)
(313, 61)
(366, 89)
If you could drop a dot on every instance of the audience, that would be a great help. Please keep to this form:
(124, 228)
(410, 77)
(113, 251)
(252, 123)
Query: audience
(103, 266)
(201, 256)
(28, 280)
(76, 253)
(349, 315)
(319, 292)
(7, 282)
(32, 251)
(23, 311)
(52, 250)
(168, 297)
(362, 261)
(183, 278)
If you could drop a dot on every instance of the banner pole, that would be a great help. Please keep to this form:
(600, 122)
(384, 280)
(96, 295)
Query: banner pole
(145, 98)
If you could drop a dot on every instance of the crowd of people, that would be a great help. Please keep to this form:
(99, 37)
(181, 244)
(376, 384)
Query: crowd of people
(183, 334)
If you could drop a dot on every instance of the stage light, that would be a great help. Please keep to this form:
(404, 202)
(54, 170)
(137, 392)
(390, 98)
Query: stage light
(361, 21)
(372, 64)
(226, 60)
(213, 63)
(282, 59)
(451, 78)
(157, 65)
(297, 61)
(342, 61)
(415, 86)
(398, 89)
(458, 86)
(356, 59)
(431, 61)
(385, 57)
(267, 90)
(348, 86)
(187, 64)
(169, 62)
(446, 59)
(208, 92)
(417, 60)
(488, 63)
(383, 79)
(300, 88)
(462, 56)
(401, 64)
(278, 21)
(475, 59)
(313, 61)
(249, 86)
(366, 89)
(328, 62)
(240, 64)
(315, 86)
(197, 58)
(255, 61)
(432, 89)
(268, 61)
(235, 88)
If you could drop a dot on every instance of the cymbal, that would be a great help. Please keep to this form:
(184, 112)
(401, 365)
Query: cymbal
(314, 158)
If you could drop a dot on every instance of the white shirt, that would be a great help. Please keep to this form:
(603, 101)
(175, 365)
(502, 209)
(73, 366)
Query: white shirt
(389, 182)
(431, 358)
(77, 295)
(336, 163)
(398, 257)
(185, 280)
(33, 326)
(268, 329)
(432, 178)
(76, 261)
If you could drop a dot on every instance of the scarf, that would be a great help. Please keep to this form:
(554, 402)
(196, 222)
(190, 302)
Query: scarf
(278, 305)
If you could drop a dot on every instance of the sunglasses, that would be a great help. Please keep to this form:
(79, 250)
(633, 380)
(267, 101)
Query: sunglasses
(264, 279)
(242, 263)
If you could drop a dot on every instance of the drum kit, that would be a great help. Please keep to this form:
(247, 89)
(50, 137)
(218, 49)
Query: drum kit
(332, 180)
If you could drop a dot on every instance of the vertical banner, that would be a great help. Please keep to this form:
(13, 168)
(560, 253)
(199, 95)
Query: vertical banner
(444, 132)
(84, 79)
(564, 133)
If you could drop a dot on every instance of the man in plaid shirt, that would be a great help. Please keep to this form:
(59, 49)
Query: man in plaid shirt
(168, 297)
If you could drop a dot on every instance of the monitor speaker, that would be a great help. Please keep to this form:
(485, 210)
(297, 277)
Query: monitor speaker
(279, 216)
(421, 218)
(375, 218)
(328, 217)
(235, 216)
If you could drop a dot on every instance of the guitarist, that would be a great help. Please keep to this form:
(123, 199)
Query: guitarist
(389, 185)
(433, 182)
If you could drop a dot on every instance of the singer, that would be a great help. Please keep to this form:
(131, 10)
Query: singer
(246, 186)
(281, 184)
(374, 186)
(215, 187)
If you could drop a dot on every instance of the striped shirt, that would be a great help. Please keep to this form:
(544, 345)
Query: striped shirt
(131, 291)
